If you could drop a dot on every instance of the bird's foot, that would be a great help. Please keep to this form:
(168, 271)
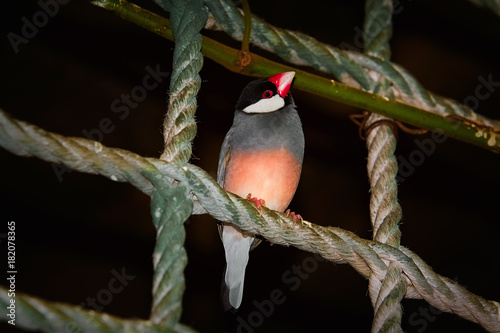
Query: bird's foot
(258, 202)
(294, 216)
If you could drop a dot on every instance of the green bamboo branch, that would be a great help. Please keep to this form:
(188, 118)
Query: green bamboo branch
(456, 127)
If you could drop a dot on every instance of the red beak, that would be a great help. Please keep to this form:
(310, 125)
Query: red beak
(283, 82)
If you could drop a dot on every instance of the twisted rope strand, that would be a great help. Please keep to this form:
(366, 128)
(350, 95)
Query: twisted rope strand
(389, 293)
(171, 204)
(389, 267)
(24, 139)
(334, 244)
(349, 67)
(341, 246)
(455, 126)
(179, 127)
(382, 167)
(381, 143)
(170, 207)
(449, 294)
(37, 314)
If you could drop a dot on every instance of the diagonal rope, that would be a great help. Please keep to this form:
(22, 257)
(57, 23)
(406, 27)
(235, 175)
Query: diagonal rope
(339, 246)
(172, 187)
(349, 67)
(33, 313)
(171, 204)
(382, 167)
(24, 139)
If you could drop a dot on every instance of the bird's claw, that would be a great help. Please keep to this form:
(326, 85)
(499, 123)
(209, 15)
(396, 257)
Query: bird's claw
(258, 202)
(294, 216)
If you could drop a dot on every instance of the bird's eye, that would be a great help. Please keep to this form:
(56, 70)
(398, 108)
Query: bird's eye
(267, 94)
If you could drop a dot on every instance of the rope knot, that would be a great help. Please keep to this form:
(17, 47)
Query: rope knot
(365, 127)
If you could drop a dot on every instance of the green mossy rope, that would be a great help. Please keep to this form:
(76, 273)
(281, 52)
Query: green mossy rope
(382, 167)
(367, 257)
(171, 205)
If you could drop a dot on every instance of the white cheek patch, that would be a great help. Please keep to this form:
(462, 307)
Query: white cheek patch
(266, 105)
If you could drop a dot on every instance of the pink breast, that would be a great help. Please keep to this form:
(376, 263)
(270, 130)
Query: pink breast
(272, 175)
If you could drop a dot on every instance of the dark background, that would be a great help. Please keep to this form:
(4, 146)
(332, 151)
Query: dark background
(72, 233)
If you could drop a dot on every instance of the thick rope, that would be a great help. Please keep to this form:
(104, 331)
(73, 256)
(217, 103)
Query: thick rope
(179, 127)
(340, 246)
(170, 207)
(349, 67)
(382, 166)
(33, 313)
(24, 139)
(334, 244)
(171, 204)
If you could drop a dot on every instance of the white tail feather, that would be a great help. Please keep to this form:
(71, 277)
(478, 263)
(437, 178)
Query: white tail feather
(237, 247)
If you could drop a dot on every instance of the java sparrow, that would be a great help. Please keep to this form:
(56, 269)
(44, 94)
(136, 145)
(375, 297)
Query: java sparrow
(260, 159)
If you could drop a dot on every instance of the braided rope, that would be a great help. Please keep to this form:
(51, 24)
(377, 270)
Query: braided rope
(24, 139)
(377, 29)
(179, 127)
(33, 313)
(351, 68)
(341, 246)
(389, 267)
(171, 205)
(382, 167)
(334, 244)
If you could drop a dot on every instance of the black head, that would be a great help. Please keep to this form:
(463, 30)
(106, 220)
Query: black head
(265, 95)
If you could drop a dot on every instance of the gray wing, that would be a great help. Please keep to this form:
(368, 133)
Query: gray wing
(224, 156)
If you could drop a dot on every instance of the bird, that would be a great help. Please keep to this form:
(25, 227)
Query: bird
(260, 160)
